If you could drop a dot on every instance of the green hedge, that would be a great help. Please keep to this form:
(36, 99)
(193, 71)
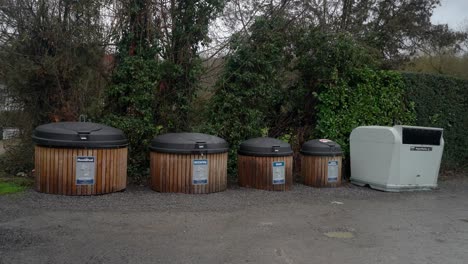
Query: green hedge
(442, 101)
(369, 97)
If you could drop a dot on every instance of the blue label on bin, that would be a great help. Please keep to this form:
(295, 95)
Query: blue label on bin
(85, 170)
(332, 174)
(278, 172)
(200, 172)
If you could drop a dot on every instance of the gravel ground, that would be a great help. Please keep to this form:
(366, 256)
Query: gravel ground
(307, 225)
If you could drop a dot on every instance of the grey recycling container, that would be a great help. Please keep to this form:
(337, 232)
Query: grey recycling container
(193, 163)
(265, 163)
(396, 159)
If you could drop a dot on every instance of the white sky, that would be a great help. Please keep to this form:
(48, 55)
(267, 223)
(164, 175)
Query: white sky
(452, 12)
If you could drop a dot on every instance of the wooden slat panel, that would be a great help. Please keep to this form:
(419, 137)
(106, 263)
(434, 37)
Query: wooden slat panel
(113, 172)
(90, 188)
(60, 155)
(67, 167)
(257, 172)
(315, 170)
(55, 170)
(78, 187)
(47, 169)
(107, 165)
(195, 187)
(118, 182)
(36, 162)
(104, 172)
(98, 185)
(173, 173)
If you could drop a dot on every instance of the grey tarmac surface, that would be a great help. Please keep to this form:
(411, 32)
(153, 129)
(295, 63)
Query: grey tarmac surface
(307, 225)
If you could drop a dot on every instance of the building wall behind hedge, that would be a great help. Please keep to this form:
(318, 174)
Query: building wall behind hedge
(442, 101)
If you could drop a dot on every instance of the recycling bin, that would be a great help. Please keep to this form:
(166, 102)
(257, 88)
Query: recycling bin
(79, 158)
(321, 163)
(265, 163)
(192, 163)
(399, 158)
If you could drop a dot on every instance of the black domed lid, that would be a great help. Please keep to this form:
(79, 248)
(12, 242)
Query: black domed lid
(79, 135)
(321, 147)
(186, 143)
(265, 146)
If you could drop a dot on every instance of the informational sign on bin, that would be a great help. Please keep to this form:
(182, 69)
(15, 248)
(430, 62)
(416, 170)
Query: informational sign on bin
(200, 172)
(85, 170)
(278, 172)
(332, 171)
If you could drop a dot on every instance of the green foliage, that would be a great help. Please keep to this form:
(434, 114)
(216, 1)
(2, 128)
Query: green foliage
(14, 185)
(250, 87)
(342, 88)
(395, 28)
(447, 64)
(326, 56)
(18, 156)
(442, 101)
(130, 107)
(181, 69)
(178, 83)
(8, 187)
(50, 64)
(322, 59)
(369, 97)
(157, 72)
(130, 99)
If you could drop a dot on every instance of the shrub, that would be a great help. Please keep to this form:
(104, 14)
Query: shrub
(442, 101)
(343, 87)
(249, 90)
(130, 108)
(369, 97)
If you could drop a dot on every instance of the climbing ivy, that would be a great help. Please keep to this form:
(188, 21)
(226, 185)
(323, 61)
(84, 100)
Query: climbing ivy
(369, 97)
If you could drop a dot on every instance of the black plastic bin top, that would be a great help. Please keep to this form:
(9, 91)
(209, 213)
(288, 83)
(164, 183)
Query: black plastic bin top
(321, 147)
(188, 143)
(79, 135)
(265, 147)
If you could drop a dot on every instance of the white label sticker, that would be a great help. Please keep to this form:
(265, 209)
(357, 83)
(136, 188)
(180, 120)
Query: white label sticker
(333, 171)
(278, 172)
(414, 148)
(200, 172)
(85, 170)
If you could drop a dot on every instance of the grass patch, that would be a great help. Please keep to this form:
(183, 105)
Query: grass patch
(10, 187)
(14, 184)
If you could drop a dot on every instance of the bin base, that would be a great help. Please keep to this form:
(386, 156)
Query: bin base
(394, 187)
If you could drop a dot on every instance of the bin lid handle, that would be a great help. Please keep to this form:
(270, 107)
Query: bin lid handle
(83, 134)
(200, 144)
(275, 148)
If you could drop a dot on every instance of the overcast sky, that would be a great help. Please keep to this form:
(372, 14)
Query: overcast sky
(452, 12)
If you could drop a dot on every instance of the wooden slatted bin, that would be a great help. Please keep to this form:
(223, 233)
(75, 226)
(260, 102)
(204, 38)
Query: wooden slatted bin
(80, 158)
(191, 163)
(321, 163)
(265, 163)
